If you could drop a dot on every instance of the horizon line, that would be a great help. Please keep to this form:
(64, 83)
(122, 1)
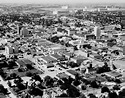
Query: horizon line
(65, 3)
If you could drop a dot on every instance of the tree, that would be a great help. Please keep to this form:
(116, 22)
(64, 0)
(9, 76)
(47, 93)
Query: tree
(30, 67)
(103, 69)
(73, 92)
(105, 89)
(85, 81)
(13, 75)
(3, 90)
(21, 86)
(92, 96)
(122, 93)
(95, 84)
(29, 74)
(41, 86)
(82, 96)
(65, 80)
(60, 82)
(64, 86)
(118, 81)
(83, 87)
(63, 95)
(75, 48)
(70, 79)
(113, 94)
(76, 83)
(9, 84)
(36, 92)
(116, 87)
(16, 81)
(48, 81)
(78, 77)
(37, 78)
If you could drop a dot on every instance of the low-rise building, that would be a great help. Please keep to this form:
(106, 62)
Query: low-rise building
(78, 59)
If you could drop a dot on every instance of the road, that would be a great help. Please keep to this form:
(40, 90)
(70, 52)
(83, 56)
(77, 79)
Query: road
(56, 68)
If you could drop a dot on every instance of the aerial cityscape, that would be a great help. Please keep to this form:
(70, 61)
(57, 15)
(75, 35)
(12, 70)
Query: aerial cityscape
(65, 49)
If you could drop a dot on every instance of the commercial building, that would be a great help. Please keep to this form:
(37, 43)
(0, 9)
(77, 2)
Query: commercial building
(24, 32)
(78, 59)
(97, 32)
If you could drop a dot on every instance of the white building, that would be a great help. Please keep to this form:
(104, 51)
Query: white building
(55, 12)
(64, 7)
(24, 32)
(8, 51)
(97, 32)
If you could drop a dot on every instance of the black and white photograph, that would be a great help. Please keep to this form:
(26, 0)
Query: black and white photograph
(62, 48)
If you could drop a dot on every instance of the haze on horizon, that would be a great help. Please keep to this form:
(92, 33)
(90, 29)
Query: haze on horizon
(61, 1)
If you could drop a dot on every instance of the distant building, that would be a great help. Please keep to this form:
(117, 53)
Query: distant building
(97, 32)
(24, 32)
(71, 32)
(60, 12)
(102, 9)
(78, 59)
(123, 50)
(55, 12)
(122, 22)
(10, 50)
(85, 8)
(65, 7)
(18, 29)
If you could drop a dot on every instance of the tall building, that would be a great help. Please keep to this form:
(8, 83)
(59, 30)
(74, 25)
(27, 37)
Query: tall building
(65, 7)
(97, 32)
(8, 51)
(124, 50)
(19, 27)
(24, 32)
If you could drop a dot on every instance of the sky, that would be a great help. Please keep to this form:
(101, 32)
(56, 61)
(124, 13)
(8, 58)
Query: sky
(62, 1)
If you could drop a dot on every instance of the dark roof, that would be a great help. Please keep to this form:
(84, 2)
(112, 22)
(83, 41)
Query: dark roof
(57, 56)
(80, 57)
(49, 65)
(73, 72)
(62, 75)
(49, 59)
(113, 73)
(66, 53)
(26, 61)
(11, 50)
(20, 62)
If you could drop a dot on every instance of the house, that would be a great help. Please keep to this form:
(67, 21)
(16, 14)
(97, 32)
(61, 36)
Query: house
(57, 56)
(113, 74)
(20, 63)
(73, 73)
(24, 62)
(78, 59)
(62, 75)
(50, 65)
(66, 54)
(48, 59)
(27, 62)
